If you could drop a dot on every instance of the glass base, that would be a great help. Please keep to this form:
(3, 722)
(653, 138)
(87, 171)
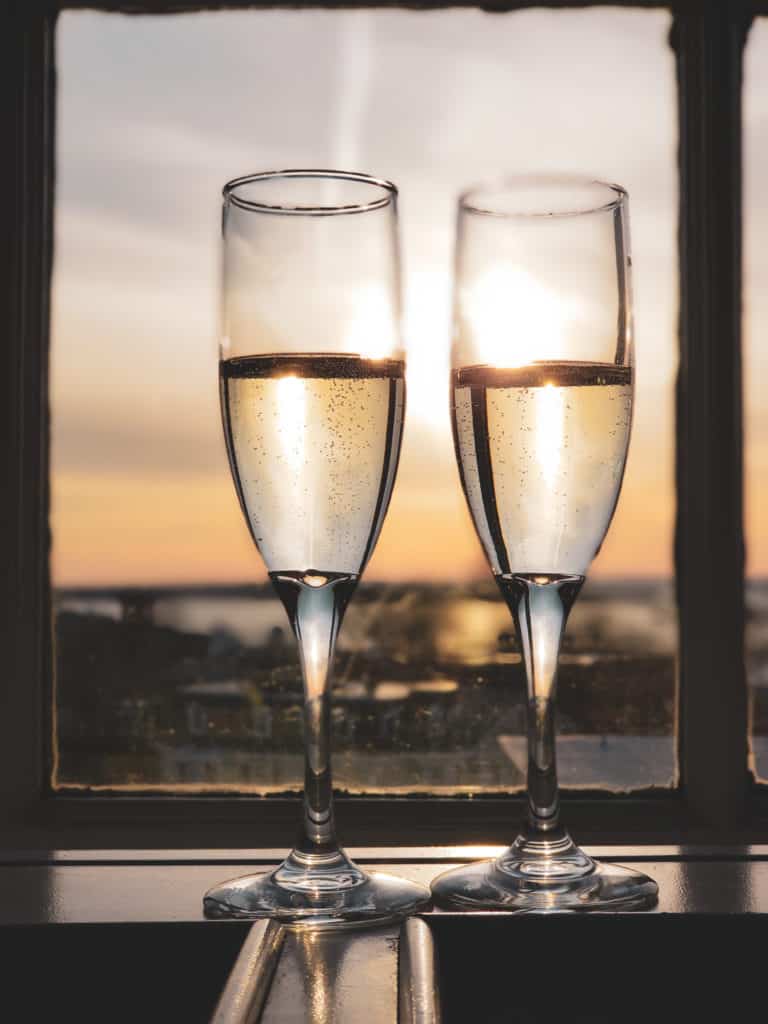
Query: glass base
(321, 892)
(544, 876)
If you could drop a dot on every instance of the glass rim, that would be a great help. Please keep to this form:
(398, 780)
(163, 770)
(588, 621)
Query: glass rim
(230, 192)
(471, 199)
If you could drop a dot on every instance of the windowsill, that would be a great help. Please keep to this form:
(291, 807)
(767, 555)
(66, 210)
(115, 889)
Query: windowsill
(141, 887)
(112, 961)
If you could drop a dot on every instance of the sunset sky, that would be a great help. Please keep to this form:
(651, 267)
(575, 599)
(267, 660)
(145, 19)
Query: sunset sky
(156, 113)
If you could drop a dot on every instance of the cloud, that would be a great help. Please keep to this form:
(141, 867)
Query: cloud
(153, 444)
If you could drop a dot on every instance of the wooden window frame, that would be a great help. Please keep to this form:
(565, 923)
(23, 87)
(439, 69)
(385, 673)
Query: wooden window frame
(717, 799)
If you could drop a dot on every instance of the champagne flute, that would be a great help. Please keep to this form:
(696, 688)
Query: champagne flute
(313, 398)
(542, 393)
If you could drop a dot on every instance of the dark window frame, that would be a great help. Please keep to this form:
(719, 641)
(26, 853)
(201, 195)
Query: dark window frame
(717, 800)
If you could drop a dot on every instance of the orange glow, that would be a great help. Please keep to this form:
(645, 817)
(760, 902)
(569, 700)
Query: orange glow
(122, 528)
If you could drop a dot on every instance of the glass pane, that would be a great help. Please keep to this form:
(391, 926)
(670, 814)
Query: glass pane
(755, 368)
(175, 665)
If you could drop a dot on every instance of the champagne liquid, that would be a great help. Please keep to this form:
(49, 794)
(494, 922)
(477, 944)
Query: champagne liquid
(541, 452)
(313, 442)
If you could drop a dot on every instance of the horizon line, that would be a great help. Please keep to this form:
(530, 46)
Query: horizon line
(75, 589)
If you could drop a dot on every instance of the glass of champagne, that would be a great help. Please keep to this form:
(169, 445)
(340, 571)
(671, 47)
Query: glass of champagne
(541, 401)
(312, 379)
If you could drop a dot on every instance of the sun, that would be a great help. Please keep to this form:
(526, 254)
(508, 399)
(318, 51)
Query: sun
(507, 317)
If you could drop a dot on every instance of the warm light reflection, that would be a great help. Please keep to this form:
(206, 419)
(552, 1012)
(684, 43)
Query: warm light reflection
(513, 318)
(312, 950)
(292, 405)
(548, 436)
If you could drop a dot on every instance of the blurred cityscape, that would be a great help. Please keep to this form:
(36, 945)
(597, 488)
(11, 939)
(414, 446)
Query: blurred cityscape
(199, 688)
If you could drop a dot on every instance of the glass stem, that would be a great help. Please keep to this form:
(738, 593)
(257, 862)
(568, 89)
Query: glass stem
(316, 603)
(543, 794)
(540, 605)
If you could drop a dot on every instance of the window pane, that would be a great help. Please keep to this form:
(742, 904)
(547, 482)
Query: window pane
(755, 368)
(175, 665)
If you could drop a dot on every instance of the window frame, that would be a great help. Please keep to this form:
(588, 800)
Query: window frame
(717, 800)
